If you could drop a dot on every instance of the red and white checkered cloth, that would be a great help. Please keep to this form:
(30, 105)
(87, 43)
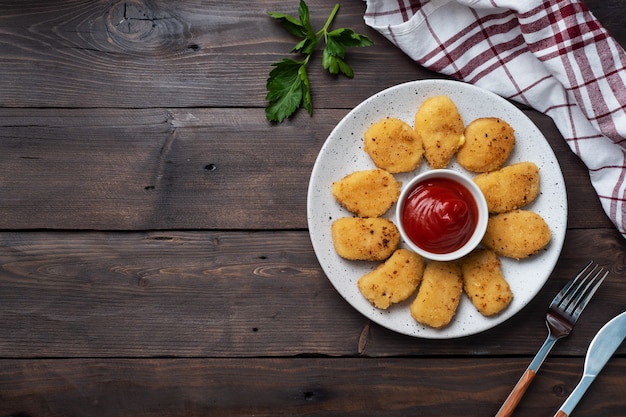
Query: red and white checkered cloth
(552, 55)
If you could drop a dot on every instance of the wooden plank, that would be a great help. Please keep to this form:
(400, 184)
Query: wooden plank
(233, 294)
(156, 170)
(290, 387)
(146, 169)
(155, 54)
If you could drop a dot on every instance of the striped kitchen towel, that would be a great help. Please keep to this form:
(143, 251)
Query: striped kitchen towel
(551, 55)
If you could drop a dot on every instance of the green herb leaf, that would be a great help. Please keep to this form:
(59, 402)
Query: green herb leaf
(334, 48)
(288, 86)
(303, 12)
(306, 90)
(290, 23)
(348, 38)
(335, 64)
(285, 88)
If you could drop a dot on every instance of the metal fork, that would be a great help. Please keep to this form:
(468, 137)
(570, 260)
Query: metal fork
(560, 319)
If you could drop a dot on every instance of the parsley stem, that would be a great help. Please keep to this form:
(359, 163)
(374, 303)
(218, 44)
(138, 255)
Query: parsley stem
(330, 19)
(306, 60)
(288, 85)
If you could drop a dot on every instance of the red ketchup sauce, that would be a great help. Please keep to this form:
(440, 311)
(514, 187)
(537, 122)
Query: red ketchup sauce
(439, 215)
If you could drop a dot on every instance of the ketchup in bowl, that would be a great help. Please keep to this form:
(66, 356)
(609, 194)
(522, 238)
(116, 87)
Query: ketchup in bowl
(442, 215)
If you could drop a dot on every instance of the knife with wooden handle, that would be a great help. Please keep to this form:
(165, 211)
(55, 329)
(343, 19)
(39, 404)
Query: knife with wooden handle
(602, 347)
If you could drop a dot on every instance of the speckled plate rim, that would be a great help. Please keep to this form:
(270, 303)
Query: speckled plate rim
(342, 153)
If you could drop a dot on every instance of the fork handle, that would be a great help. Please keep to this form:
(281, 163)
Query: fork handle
(516, 394)
(529, 374)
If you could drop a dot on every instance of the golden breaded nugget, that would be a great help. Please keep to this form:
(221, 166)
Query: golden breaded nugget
(517, 234)
(509, 188)
(439, 294)
(365, 239)
(484, 282)
(488, 144)
(367, 193)
(393, 281)
(393, 145)
(441, 126)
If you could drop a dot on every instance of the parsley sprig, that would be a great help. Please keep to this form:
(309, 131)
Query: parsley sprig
(288, 86)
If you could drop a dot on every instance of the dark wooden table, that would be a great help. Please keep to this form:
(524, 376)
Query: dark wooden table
(154, 252)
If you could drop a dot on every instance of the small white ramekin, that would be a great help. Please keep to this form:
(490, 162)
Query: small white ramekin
(481, 205)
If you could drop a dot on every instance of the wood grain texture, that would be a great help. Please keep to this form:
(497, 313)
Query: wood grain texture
(292, 387)
(125, 54)
(154, 252)
(229, 294)
(147, 169)
(156, 169)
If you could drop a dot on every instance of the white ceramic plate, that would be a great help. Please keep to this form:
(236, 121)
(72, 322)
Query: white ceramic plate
(343, 153)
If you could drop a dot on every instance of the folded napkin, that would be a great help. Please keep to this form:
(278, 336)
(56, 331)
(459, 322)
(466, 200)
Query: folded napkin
(551, 55)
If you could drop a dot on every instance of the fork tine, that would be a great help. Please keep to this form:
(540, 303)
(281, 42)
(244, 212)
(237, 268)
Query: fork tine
(588, 293)
(576, 290)
(575, 296)
(565, 291)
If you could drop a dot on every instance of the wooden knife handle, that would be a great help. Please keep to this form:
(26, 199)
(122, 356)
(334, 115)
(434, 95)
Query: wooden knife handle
(560, 414)
(516, 395)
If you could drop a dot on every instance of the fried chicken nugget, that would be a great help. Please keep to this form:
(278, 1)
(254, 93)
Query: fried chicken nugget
(393, 145)
(365, 239)
(488, 144)
(517, 234)
(441, 126)
(393, 281)
(439, 294)
(368, 193)
(484, 282)
(509, 188)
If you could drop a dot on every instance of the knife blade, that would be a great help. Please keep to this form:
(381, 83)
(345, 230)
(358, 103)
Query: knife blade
(602, 347)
